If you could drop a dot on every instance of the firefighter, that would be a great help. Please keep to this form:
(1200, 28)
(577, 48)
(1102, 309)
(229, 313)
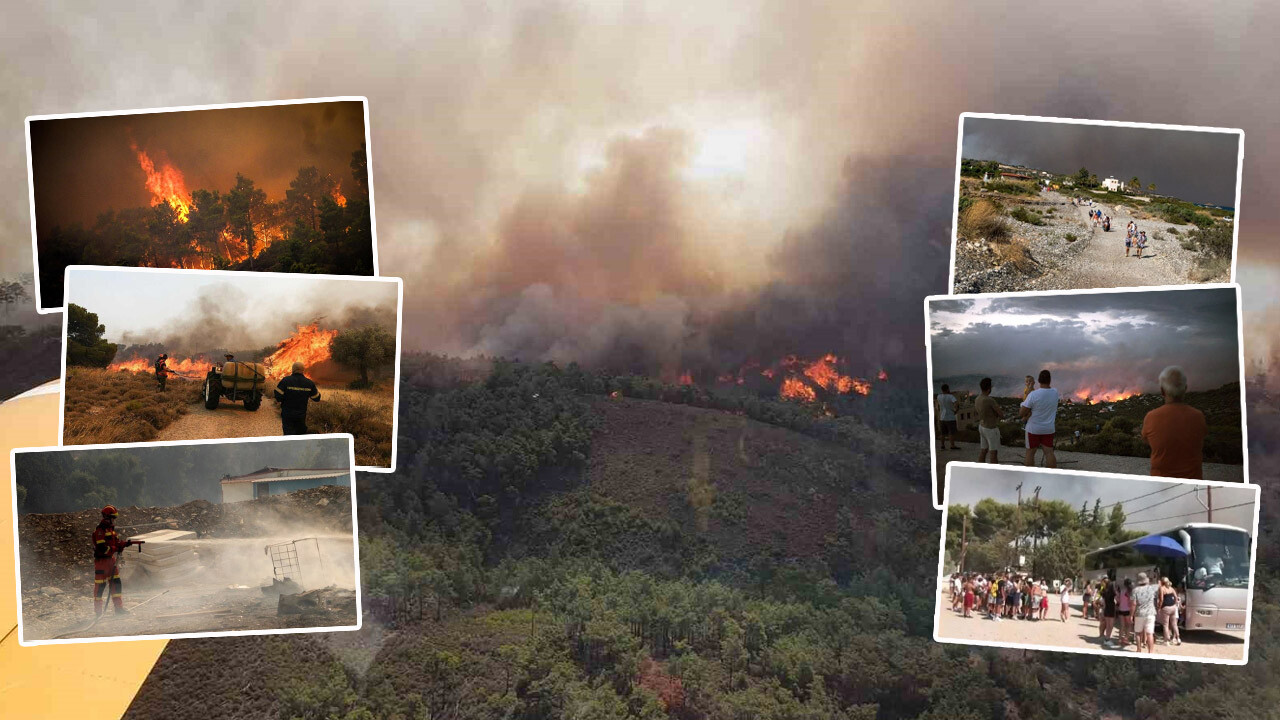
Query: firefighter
(293, 393)
(162, 370)
(107, 545)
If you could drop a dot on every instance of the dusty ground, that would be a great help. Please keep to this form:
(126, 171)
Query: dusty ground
(56, 566)
(1076, 632)
(1095, 259)
(229, 420)
(193, 608)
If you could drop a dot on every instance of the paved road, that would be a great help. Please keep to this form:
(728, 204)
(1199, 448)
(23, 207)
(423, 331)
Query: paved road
(1075, 633)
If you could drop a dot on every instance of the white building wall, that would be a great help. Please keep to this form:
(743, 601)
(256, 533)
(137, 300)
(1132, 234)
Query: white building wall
(237, 492)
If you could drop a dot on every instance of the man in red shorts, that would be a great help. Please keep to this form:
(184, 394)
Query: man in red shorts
(1040, 410)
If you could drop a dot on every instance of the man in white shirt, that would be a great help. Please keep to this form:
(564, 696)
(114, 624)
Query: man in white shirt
(947, 404)
(1040, 410)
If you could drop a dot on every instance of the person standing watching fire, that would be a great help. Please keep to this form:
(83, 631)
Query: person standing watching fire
(947, 405)
(107, 546)
(1175, 430)
(989, 415)
(1040, 409)
(162, 370)
(293, 393)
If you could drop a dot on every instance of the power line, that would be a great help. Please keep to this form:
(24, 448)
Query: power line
(1121, 502)
(1197, 512)
(1162, 502)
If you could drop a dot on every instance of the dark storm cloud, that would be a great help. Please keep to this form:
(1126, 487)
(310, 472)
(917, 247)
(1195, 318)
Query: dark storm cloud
(1195, 166)
(85, 166)
(1142, 334)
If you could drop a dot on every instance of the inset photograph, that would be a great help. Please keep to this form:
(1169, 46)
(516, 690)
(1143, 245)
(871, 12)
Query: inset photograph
(1053, 204)
(1088, 563)
(226, 537)
(1136, 382)
(279, 187)
(157, 355)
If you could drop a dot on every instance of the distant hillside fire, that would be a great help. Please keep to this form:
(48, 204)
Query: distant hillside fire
(1101, 392)
(797, 378)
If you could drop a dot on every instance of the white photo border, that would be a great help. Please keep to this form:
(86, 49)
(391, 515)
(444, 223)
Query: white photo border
(1253, 556)
(928, 357)
(17, 555)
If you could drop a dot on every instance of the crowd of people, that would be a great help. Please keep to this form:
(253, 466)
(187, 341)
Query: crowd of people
(1175, 431)
(1007, 596)
(1126, 613)
(1135, 239)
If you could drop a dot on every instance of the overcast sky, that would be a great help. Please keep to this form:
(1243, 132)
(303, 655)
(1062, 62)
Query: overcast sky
(1096, 341)
(218, 310)
(1195, 166)
(971, 484)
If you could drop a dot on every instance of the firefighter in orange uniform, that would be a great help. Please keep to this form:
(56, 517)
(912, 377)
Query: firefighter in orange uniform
(107, 545)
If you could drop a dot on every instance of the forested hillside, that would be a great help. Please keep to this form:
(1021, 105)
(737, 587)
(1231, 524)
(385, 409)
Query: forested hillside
(557, 543)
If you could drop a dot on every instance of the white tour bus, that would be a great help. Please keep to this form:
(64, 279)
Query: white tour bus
(1213, 579)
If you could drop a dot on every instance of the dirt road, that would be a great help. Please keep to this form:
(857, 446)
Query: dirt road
(1102, 262)
(229, 420)
(1075, 633)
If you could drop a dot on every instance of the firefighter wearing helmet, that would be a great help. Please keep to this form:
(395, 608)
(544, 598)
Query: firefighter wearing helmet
(107, 546)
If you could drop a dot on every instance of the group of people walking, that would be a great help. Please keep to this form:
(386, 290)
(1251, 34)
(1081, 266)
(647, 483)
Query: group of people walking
(1134, 239)
(1100, 220)
(1130, 612)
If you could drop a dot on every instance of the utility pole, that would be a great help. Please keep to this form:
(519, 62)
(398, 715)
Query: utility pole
(1209, 506)
(1017, 539)
(964, 541)
(1035, 539)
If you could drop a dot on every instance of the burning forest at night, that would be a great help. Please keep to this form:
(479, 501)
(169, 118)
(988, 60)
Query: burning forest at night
(196, 355)
(277, 188)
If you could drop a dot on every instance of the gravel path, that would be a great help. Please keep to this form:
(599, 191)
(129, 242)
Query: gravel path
(1075, 633)
(1094, 259)
(1067, 460)
(229, 420)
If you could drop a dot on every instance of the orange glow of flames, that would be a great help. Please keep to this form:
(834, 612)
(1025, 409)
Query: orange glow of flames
(165, 184)
(337, 196)
(308, 345)
(686, 378)
(793, 388)
(861, 386)
(1103, 394)
(883, 376)
(824, 373)
(189, 366)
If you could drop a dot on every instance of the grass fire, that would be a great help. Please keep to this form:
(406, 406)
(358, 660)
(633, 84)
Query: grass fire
(214, 359)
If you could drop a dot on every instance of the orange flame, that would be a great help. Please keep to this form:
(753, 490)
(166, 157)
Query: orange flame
(823, 372)
(166, 185)
(338, 197)
(308, 345)
(883, 376)
(1096, 393)
(187, 366)
(861, 386)
(793, 388)
(686, 378)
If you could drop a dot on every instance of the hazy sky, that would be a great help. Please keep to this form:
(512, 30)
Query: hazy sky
(970, 484)
(1103, 341)
(218, 310)
(673, 182)
(1195, 166)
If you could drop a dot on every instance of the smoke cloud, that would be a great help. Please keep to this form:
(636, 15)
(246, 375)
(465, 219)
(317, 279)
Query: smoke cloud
(612, 183)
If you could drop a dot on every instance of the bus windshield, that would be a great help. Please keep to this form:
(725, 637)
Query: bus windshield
(1219, 558)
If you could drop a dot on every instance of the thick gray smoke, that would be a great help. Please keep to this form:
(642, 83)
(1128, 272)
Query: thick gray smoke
(536, 168)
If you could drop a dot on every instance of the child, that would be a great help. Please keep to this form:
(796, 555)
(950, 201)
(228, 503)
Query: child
(1142, 243)
(1128, 243)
